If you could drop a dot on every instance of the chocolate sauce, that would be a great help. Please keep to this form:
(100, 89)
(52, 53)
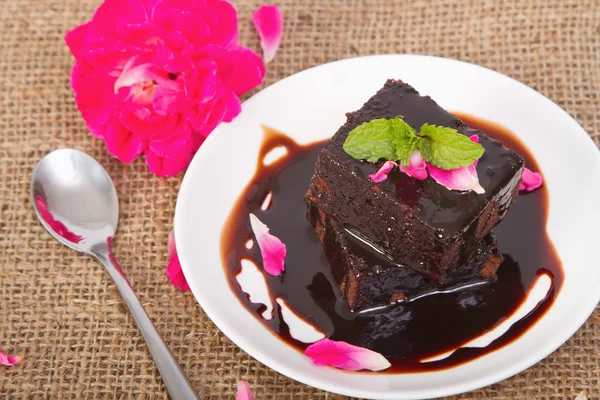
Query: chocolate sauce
(407, 331)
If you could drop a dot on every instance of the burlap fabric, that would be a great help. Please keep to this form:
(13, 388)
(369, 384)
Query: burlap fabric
(60, 310)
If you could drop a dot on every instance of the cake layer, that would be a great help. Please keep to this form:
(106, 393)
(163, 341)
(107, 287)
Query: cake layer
(369, 279)
(429, 228)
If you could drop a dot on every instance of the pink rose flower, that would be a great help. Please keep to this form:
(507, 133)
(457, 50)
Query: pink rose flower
(155, 77)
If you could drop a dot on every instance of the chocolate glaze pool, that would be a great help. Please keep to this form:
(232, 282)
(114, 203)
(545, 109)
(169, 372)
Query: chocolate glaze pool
(407, 332)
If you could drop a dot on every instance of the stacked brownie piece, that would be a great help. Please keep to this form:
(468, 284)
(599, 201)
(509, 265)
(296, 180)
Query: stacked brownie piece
(402, 238)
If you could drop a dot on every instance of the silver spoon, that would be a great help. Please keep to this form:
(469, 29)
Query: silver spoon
(76, 201)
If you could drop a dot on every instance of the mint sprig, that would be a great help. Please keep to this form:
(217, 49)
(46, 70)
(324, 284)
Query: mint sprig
(395, 140)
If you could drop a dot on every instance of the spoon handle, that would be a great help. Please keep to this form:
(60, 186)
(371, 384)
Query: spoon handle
(178, 386)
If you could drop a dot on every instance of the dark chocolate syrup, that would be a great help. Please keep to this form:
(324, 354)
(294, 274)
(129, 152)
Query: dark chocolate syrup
(408, 331)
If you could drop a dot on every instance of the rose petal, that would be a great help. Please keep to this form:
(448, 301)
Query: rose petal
(121, 142)
(457, 179)
(192, 26)
(9, 360)
(112, 13)
(239, 68)
(167, 166)
(383, 172)
(417, 167)
(234, 106)
(273, 251)
(174, 271)
(177, 146)
(268, 21)
(531, 181)
(226, 29)
(345, 356)
(94, 98)
(243, 391)
(76, 38)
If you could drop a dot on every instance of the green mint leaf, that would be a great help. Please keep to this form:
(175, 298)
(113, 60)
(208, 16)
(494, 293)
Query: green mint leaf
(406, 142)
(405, 148)
(379, 139)
(446, 148)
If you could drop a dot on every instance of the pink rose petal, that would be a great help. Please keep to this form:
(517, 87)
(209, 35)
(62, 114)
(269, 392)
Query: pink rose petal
(239, 68)
(345, 356)
(273, 251)
(174, 271)
(383, 172)
(269, 24)
(457, 179)
(224, 30)
(9, 360)
(121, 142)
(243, 391)
(167, 165)
(76, 38)
(531, 181)
(113, 12)
(417, 167)
(94, 98)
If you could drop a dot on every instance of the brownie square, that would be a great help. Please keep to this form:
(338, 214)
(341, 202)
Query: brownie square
(420, 224)
(369, 280)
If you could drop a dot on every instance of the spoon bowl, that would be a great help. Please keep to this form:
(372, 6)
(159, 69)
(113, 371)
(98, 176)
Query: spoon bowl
(76, 201)
(81, 195)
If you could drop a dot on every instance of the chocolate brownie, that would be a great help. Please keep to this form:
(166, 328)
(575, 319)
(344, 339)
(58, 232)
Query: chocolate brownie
(422, 224)
(369, 279)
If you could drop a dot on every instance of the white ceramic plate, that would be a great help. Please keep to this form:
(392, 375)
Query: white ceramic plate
(311, 105)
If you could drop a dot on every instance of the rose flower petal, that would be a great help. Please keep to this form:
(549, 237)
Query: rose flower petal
(174, 271)
(417, 167)
(531, 181)
(457, 179)
(383, 172)
(9, 360)
(268, 21)
(243, 391)
(273, 251)
(345, 356)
